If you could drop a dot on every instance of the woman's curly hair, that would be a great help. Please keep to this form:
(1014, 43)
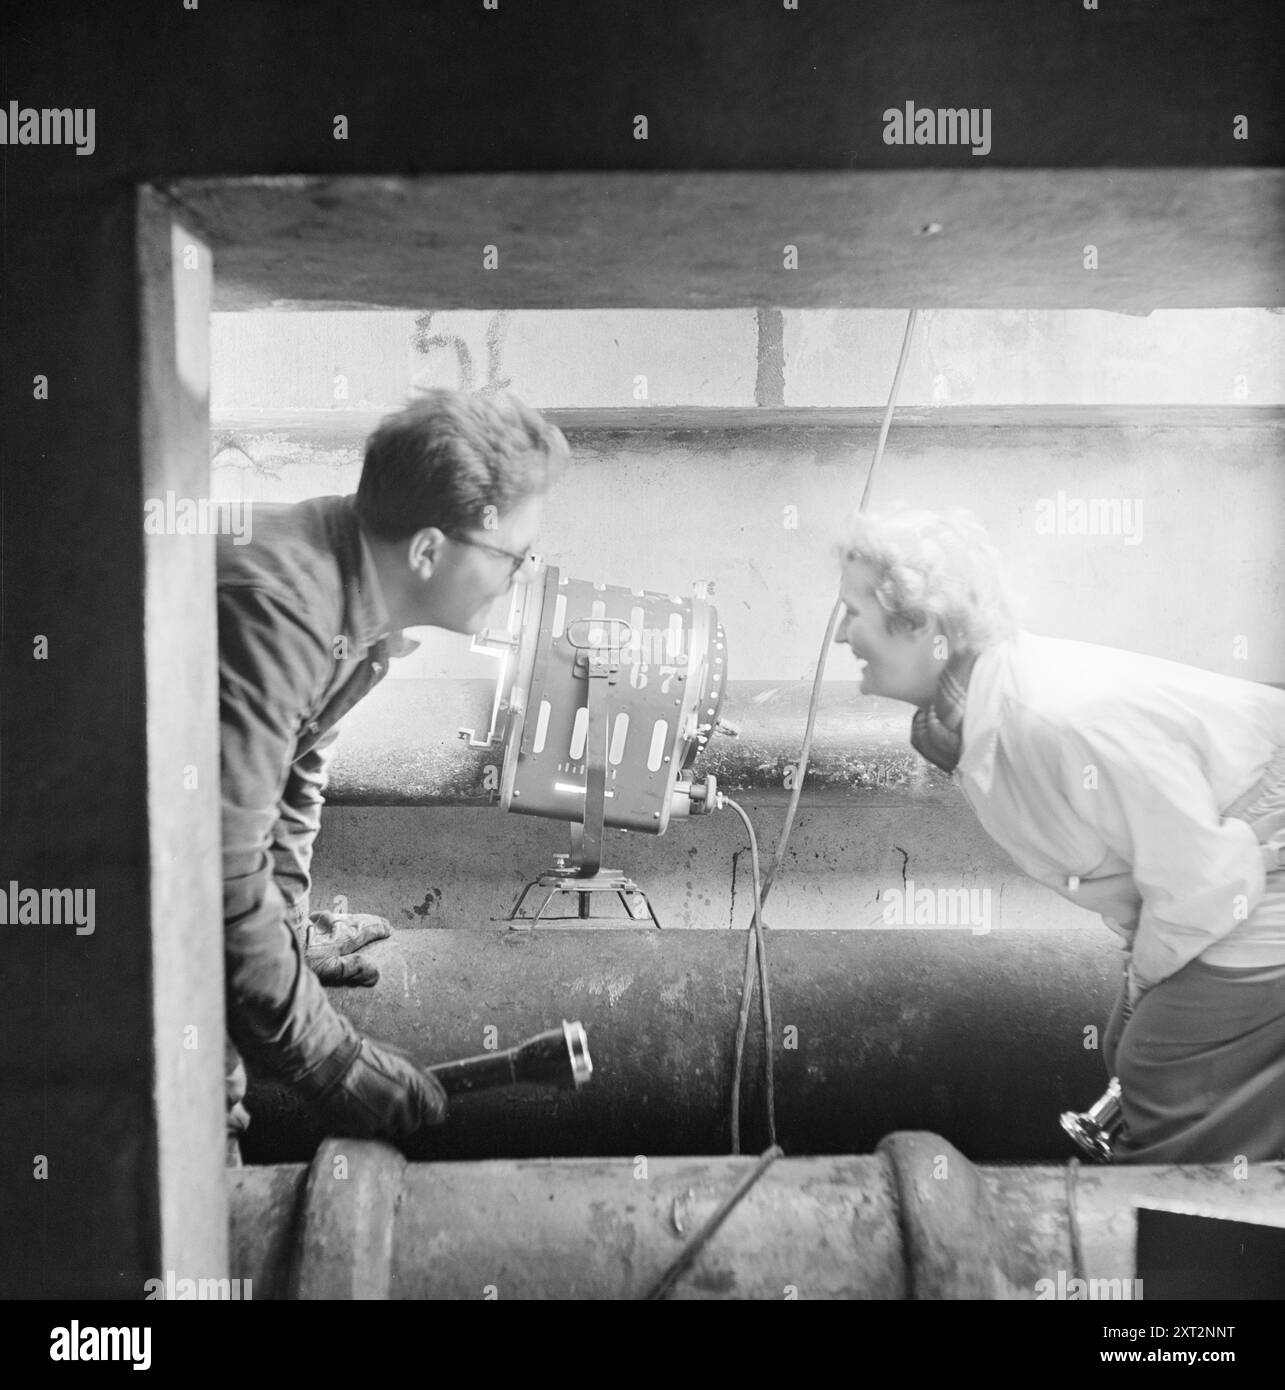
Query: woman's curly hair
(934, 565)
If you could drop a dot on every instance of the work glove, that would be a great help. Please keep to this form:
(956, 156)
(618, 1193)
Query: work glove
(382, 1095)
(333, 938)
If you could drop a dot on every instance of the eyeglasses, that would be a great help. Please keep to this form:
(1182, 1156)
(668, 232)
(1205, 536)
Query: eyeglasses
(516, 561)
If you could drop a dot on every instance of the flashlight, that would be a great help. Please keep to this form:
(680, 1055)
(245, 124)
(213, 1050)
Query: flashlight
(1096, 1129)
(559, 1057)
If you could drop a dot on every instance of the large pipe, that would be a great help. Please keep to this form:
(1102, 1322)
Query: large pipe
(914, 1220)
(984, 1039)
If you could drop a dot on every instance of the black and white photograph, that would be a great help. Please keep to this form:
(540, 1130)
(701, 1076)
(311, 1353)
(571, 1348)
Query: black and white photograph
(643, 660)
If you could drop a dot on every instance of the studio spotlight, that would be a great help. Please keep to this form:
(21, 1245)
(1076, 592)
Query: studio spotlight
(605, 699)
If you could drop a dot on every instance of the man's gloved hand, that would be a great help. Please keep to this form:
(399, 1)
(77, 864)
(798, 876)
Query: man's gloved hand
(382, 1095)
(333, 938)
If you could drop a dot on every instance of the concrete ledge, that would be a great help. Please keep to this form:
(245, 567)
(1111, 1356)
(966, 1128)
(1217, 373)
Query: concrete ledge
(338, 431)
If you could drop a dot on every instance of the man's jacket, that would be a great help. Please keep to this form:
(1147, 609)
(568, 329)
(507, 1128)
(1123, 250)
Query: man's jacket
(303, 635)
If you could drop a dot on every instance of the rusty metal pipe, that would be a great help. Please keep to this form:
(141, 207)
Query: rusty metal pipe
(915, 1220)
(983, 1039)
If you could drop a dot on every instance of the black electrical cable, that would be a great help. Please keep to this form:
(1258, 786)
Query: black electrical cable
(805, 753)
(837, 613)
(754, 945)
(742, 1027)
(687, 1255)
(1073, 1219)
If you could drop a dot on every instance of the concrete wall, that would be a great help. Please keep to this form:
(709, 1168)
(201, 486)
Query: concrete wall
(1194, 554)
(464, 867)
(561, 359)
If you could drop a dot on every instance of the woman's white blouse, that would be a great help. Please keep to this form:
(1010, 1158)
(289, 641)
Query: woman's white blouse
(1105, 775)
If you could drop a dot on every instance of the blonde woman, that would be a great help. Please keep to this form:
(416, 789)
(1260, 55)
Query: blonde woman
(1147, 791)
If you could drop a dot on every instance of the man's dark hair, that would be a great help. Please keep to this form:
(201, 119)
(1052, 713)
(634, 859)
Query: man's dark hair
(447, 457)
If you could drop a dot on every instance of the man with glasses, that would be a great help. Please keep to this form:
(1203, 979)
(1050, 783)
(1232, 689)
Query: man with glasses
(311, 610)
